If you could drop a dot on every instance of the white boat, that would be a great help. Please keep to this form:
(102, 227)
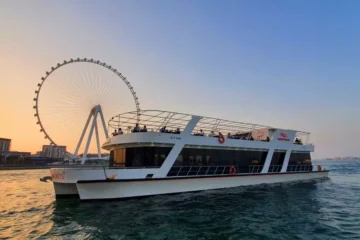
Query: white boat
(199, 156)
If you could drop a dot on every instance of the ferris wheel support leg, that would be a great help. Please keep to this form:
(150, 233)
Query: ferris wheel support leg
(103, 122)
(83, 133)
(97, 139)
(90, 136)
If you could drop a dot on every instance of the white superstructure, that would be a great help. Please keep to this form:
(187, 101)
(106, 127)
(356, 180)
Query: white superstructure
(193, 153)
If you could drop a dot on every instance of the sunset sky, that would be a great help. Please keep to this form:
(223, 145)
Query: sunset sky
(290, 64)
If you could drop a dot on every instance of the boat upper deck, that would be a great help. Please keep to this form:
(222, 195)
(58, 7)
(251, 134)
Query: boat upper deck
(175, 123)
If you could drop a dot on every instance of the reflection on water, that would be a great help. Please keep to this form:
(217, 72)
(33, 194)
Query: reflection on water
(325, 209)
(26, 206)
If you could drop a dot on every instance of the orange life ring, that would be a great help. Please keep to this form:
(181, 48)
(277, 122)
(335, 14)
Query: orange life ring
(221, 138)
(232, 170)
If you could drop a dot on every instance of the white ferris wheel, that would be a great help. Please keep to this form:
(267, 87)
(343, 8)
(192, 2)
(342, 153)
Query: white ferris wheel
(75, 92)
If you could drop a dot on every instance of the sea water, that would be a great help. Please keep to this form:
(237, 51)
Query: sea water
(320, 209)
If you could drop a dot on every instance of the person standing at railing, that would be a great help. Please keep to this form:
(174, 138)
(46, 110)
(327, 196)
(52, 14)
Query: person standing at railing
(120, 131)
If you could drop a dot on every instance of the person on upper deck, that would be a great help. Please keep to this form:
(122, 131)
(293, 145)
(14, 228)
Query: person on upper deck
(114, 133)
(212, 134)
(144, 129)
(201, 133)
(177, 131)
(163, 129)
(120, 131)
(136, 128)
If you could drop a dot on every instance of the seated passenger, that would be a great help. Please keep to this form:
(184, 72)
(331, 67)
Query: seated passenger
(229, 136)
(136, 128)
(201, 133)
(212, 134)
(237, 135)
(163, 129)
(267, 139)
(297, 141)
(114, 133)
(144, 129)
(177, 131)
(120, 131)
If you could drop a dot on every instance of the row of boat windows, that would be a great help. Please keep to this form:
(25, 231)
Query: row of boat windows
(241, 159)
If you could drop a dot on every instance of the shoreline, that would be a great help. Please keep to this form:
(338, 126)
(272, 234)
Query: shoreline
(4, 168)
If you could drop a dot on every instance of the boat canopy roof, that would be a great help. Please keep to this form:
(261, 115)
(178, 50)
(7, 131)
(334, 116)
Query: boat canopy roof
(154, 120)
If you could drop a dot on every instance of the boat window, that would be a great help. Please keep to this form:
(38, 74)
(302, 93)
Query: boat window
(240, 159)
(117, 157)
(300, 158)
(139, 156)
(277, 161)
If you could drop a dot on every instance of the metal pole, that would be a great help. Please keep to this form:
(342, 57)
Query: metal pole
(83, 132)
(89, 138)
(97, 139)
(102, 120)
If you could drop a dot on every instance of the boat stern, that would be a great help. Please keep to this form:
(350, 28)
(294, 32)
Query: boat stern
(65, 179)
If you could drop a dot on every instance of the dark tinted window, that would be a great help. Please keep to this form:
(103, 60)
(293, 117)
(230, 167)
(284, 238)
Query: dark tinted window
(143, 156)
(195, 161)
(300, 158)
(277, 161)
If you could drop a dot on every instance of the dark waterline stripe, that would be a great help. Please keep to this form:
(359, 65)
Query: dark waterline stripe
(192, 177)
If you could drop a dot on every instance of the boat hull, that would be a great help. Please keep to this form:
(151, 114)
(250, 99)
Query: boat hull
(118, 189)
(65, 190)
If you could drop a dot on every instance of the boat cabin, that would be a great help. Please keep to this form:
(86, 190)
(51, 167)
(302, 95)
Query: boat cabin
(186, 145)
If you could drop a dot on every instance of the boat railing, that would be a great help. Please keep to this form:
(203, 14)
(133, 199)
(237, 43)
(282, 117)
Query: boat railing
(122, 166)
(300, 168)
(274, 168)
(199, 170)
(255, 168)
(155, 120)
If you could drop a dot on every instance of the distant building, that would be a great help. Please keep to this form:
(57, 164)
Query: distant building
(8, 156)
(37, 154)
(51, 151)
(5, 144)
(16, 154)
